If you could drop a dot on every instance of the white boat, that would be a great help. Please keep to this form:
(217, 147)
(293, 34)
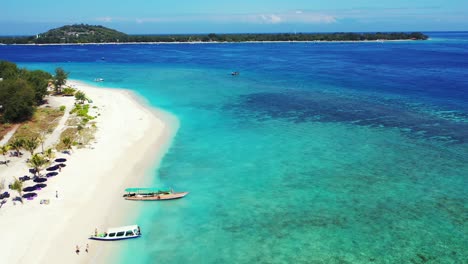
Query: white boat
(118, 233)
(99, 80)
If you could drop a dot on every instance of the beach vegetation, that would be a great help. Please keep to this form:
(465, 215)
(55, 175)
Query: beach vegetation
(21, 91)
(31, 145)
(8, 70)
(68, 91)
(37, 162)
(17, 100)
(86, 135)
(67, 143)
(41, 139)
(44, 121)
(80, 97)
(17, 144)
(60, 78)
(80, 129)
(4, 151)
(62, 108)
(17, 186)
(82, 111)
(49, 153)
(39, 81)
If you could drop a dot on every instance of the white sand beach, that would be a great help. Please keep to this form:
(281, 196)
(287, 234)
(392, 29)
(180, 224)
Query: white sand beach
(130, 139)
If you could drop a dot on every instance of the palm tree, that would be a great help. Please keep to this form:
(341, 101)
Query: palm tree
(17, 144)
(60, 79)
(49, 153)
(4, 150)
(31, 145)
(80, 96)
(67, 142)
(41, 139)
(37, 162)
(18, 186)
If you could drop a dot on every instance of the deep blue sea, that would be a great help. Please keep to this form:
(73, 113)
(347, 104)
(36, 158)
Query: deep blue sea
(315, 153)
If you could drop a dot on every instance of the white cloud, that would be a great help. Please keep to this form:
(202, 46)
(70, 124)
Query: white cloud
(270, 19)
(104, 19)
(298, 16)
(288, 17)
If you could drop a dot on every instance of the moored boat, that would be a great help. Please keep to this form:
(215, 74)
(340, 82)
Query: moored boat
(152, 194)
(117, 233)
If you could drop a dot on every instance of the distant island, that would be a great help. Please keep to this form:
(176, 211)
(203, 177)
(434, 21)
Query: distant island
(82, 33)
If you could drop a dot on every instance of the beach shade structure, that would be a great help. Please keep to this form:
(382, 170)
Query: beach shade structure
(60, 160)
(51, 174)
(62, 165)
(24, 178)
(40, 179)
(39, 186)
(33, 171)
(29, 196)
(56, 167)
(29, 189)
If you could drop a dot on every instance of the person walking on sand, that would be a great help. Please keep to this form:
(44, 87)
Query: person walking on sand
(56, 194)
(87, 248)
(77, 251)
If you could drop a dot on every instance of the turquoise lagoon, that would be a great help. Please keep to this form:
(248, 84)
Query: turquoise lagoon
(315, 153)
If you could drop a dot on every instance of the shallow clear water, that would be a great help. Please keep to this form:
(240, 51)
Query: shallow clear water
(316, 153)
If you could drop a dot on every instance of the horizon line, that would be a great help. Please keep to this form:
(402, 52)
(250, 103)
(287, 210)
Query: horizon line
(302, 32)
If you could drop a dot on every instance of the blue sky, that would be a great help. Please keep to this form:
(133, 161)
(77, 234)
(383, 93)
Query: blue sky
(19, 17)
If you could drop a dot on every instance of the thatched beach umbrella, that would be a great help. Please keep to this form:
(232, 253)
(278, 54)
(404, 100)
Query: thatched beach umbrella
(60, 160)
(39, 186)
(29, 189)
(40, 180)
(56, 167)
(51, 174)
(30, 195)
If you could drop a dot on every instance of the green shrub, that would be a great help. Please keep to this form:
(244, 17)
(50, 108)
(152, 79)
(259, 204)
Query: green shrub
(68, 91)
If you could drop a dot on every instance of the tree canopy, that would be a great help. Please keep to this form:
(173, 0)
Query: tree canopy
(22, 90)
(82, 33)
(17, 100)
(60, 78)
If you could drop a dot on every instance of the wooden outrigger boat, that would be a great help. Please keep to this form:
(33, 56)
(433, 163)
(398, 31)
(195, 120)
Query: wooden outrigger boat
(117, 233)
(151, 194)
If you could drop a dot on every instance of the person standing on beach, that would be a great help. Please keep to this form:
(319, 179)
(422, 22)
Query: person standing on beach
(77, 250)
(56, 194)
(87, 247)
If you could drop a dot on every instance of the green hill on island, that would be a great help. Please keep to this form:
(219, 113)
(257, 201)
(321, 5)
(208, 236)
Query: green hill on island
(82, 33)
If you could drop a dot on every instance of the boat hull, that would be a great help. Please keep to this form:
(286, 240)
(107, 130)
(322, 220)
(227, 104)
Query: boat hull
(113, 238)
(157, 197)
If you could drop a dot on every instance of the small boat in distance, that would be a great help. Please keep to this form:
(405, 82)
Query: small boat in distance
(235, 73)
(117, 233)
(152, 194)
(99, 80)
